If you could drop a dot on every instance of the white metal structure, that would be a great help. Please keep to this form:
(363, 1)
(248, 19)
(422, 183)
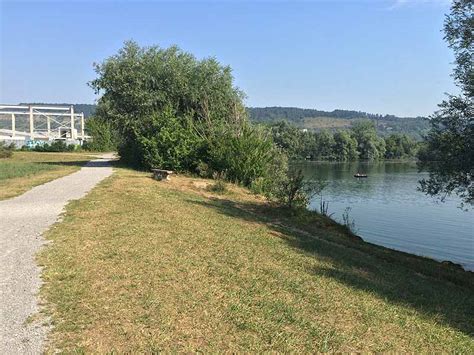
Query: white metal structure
(43, 123)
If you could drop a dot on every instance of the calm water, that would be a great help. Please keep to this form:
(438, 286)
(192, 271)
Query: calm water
(388, 210)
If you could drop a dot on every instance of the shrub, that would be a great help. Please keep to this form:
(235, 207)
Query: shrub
(6, 150)
(348, 221)
(219, 185)
(104, 136)
(55, 146)
(294, 192)
(244, 157)
(166, 104)
(203, 169)
(175, 112)
(162, 141)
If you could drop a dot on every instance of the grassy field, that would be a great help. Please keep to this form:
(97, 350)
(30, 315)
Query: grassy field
(141, 266)
(25, 170)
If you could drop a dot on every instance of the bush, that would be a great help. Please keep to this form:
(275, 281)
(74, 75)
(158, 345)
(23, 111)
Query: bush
(55, 146)
(6, 150)
(162, 141)
(202, 169)
(175, 112)
(166, 105)
(244, 157)
(104, 137)
(294, 192)
(219, 186)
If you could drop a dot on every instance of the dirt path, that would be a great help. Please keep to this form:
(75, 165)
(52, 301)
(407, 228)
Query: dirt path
(23, 219)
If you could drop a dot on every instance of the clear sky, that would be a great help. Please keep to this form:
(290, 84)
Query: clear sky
(379, 56)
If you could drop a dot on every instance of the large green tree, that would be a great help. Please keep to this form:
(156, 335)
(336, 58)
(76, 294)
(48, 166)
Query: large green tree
(398, 146)
(449, 153)
(176, 112)
(370, 145)
(345, 146)
(166, 104)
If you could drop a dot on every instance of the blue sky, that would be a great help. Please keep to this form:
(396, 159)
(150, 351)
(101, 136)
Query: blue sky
(380, 56)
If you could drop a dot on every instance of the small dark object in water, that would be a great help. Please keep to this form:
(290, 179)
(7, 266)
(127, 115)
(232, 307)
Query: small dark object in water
(359, 175)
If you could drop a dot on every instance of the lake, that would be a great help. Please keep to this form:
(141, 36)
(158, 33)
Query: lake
(388, 210)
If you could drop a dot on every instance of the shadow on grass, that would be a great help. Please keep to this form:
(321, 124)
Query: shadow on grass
(80, 163)
(431, 288)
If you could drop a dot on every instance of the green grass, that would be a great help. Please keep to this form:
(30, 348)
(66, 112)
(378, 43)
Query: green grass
(12, 169)
(25, 170)
(142, 266)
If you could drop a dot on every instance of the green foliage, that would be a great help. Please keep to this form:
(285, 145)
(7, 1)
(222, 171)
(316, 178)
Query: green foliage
(165, 142)
(448, 154)
(104, 137)
(219, 185)
(173, 111)
(166, 105)
(269, 184)
(369, 145)
(139, 82)
(244, 157)
(345, 146)
(55, 146)
(6, 150)
(295, 192)
(399, 146)
(325, 142)
(361, 141)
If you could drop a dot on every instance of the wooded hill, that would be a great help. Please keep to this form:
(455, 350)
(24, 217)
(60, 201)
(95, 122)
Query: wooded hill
(316, 120)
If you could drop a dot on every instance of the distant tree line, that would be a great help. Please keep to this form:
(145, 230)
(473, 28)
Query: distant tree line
(359, 142)
(265, 114)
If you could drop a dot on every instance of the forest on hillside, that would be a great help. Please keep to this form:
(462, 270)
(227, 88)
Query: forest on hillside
(316, 120)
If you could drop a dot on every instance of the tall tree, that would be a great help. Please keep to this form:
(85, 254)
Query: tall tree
(369, 145)
(345, 146)
(449, 154)
(166, 104)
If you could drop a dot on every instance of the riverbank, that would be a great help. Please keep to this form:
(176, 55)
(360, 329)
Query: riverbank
(388, 209)
(140, 265)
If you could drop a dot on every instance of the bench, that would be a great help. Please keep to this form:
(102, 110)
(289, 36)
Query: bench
(159, 174)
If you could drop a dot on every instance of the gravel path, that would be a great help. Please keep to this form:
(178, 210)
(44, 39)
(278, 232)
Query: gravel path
(23, 219)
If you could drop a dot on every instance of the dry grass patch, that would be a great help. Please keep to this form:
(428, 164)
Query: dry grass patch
(24, 170)
(142, 266)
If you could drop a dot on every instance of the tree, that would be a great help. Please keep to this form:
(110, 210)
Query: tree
(162, 99)
(449, 153)
(176, 112)
(345, 146)
(288, 138)
(324, 145)
(104, 137)
(399, 146)
(369, 145)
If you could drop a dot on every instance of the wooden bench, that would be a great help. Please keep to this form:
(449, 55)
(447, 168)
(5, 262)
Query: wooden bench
(159, 174)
